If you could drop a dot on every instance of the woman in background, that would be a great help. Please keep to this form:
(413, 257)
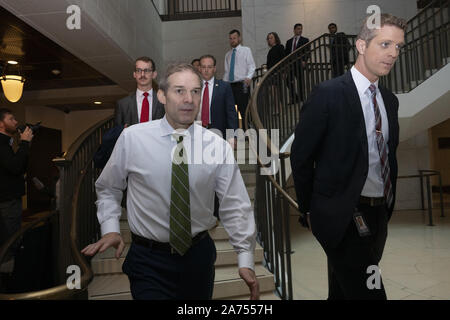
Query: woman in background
(276, 52)
(275, 55)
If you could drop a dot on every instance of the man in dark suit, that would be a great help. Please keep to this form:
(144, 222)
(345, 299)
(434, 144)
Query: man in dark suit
(143, 105)
(344, 164)
(293, 44)
(217, 108)
(339, 50)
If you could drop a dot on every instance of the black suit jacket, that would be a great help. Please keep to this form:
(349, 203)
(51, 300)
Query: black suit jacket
(223, 112)
(127, 113)
(301, 42)
(329, 155)
(275, 55)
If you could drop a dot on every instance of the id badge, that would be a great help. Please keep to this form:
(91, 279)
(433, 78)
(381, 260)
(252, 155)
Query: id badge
(361, 225)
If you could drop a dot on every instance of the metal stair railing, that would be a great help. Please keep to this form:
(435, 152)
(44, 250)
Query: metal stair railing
(278, 97)
(171, 10)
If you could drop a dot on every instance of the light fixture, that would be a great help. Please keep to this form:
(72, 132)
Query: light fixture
(12, 62)
(97, 102)
(12, 86)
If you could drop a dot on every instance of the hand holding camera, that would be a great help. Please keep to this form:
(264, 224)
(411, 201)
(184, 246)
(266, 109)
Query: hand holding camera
(26, 135)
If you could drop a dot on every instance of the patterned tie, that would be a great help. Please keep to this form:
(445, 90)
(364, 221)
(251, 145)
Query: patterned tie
(232, 63)
(295, 44)
(205, 106)
(382, 148)
(145, 112)
(180, 215)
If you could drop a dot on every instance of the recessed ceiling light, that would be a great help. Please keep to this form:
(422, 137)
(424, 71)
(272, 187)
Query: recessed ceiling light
(97, 102)
(56, 72)
(12, 62)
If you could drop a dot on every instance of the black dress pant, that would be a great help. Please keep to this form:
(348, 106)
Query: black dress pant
(241, 98)
(160, 275)
(348, 275)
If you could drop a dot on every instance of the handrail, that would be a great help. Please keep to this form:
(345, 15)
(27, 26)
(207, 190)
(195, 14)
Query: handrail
(270, 108)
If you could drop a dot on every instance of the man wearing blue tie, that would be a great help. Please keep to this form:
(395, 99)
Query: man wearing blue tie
(239, 70)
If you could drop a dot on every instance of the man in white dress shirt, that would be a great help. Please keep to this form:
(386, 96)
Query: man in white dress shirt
(239, 70)
(143, 161)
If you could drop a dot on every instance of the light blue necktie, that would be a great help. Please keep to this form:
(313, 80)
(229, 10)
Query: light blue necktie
(233, 58)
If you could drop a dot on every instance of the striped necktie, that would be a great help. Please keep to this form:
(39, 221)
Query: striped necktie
(232, 63)
(180, 215)
(382, 148)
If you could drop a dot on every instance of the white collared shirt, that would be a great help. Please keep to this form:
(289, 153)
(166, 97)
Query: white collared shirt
(373, 186)
(142, 162)
(210, 90)
(140, 99)
(244, 64)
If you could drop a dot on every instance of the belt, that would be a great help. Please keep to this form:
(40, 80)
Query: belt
(164, 246)
(373, 202)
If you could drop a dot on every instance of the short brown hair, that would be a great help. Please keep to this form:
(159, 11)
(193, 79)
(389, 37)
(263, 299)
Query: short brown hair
(147, 59)
(175, 68)
(367, 34)
(208, 56)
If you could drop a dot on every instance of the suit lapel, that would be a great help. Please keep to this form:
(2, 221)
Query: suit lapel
(356, 111)
(154, 104)
(134, 110)
(215, 89)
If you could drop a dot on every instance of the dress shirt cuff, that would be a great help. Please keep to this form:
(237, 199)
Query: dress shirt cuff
(246, 260)
(111, 225)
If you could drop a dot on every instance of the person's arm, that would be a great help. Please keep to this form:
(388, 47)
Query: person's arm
(307, 142)
(16, 163)
(109, 187)
(236, 215)
(226, 73)
(251, 66)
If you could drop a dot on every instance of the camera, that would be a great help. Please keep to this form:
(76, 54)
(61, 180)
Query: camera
(34, 127)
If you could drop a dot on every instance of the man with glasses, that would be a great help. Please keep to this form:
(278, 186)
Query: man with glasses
(143, 105)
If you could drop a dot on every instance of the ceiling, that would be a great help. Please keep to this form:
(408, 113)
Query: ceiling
(38, 56)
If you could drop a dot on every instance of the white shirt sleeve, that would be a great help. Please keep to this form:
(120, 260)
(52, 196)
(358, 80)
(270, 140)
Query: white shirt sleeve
(227, 68)
(251, 64)
(235, 211)
(109, 187)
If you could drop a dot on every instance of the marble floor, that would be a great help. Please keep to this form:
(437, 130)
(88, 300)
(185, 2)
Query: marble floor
(415, 263)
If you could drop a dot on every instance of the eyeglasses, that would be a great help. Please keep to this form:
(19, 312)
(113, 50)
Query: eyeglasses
(143, 70)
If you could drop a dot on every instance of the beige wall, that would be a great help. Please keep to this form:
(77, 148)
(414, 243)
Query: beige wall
(440, 158)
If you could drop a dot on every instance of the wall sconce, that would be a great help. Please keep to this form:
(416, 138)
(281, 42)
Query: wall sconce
(12, 86)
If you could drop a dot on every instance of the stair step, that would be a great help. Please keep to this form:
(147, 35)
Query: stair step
(227, 256)
(218, 233)
(264, 296)
(248, 167)
(227, 284)
(106, 263)
(238, 288)
(249, 178)
(107, 285)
